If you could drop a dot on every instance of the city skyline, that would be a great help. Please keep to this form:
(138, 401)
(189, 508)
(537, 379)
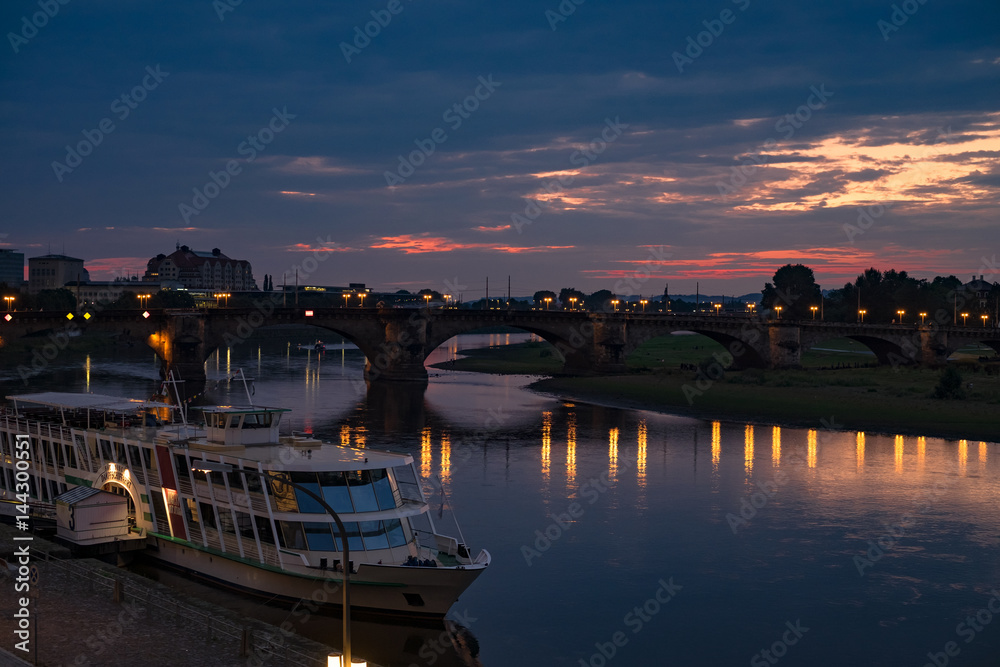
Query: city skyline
(566, 145)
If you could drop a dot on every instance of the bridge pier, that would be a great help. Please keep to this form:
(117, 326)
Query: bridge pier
(784, 346)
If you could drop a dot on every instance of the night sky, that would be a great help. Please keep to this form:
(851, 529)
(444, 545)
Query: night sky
(565, 145)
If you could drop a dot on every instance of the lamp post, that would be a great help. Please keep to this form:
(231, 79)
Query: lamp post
(347, 298)
(985, 318)
(900, 313)
(548, 300)
(644, 302)
(427, 300)
(614, 302)
(222, 295)
(717, 306)
(362, 296)
(447, 299)
(572, 303)
(814, 309)
(923, 316)
(862, 314)
(215, 466)
(964, 318)
(778, 309)
(142, 304)
(8, 299)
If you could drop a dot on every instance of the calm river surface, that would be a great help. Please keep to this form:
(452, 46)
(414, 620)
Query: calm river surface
(655, 539)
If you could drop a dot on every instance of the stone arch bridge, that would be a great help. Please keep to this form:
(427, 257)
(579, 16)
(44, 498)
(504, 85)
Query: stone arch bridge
(396, 342)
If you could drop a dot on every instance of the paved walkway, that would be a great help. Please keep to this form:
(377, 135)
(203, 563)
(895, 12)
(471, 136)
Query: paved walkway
(79, 624)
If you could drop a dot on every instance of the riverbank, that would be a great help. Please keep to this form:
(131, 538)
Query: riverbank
(79, 621)
(836, 386)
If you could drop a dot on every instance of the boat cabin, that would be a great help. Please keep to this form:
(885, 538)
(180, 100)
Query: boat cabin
(242, 426)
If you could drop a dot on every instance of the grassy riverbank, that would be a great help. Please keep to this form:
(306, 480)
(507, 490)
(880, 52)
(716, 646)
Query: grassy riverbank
(830, 387)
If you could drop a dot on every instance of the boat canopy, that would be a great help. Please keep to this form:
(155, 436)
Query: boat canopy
(77, 401)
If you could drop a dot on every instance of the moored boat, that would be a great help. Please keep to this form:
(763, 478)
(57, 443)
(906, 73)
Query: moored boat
(252, 529)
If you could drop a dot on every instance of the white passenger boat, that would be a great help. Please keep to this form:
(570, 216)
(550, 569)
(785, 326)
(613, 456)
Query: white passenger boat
(248, 532)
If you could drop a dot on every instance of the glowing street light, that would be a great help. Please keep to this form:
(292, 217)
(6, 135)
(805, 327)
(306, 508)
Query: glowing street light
(548, 300)
(614, 302)
(222, 295)
(778, 309)
(923, 316)
(644, 302)
(985, 317)
(142, 304)
(751, 307)
(572, 303)
(9, 299)
(862, 313)
(900, 313)
(814, 309)
(717, 306)
(964, 316)
(427, 300)
(362, 297)
(347, 299)
(447, 299)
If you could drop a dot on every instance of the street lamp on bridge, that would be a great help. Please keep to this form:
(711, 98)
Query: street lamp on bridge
(964, 318)
(778, 310)
(9, 299)
(814, 309)
(347, 299)
(900, 313)
(427, 300)
(644, 302)
(142, 304)
(548, 300)
(923, 316)
(572, 303)
(861, 313)
(717, 306)
(362, 296)
(614, 302)
(985, 318)
(222, 295)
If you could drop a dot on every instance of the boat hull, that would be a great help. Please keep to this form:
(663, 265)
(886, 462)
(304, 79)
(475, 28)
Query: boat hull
(375, 589)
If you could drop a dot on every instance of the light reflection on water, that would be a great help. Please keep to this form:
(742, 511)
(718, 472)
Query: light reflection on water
(761, 536)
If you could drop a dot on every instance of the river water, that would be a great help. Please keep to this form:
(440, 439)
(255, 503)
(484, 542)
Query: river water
(629, 537)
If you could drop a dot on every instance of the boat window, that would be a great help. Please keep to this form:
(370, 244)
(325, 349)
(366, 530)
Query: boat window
(234, 421)
(253, 481)
(383, 490)
(284, 496)
(243, 521)
(264, 529)
(335, 491)
(319, 537)
(374, 535)
(183, 469)
(133, 454)
(106, 450)
(207, 515)
(290, 535)
(307, 504)
(353, 537)
(394, 529)
(192, 512)
(226, 521)
(362, 492)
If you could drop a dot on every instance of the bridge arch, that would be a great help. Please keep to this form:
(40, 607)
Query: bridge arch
(743, 353)
(442, 334)
(883, 351)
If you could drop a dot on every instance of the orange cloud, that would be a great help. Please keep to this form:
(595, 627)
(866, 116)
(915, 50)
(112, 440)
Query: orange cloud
(498, 228)
(326, 246)
(417, 244)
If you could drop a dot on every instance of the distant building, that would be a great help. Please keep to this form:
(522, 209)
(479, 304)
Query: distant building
(979, 291)
(54, 272)
(11, 267)
(196, 269)
(107, 291)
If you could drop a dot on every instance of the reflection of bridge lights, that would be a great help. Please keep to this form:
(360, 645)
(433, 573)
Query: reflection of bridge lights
(546, 443)
(748, 448)
(776, 445)
(963, 454)
(921, 452)
(425, 452)
(716, 444)
(613, 451)
(570, 448)
(859, 449)
(641, 455)
(811, 448)
(898, 451)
